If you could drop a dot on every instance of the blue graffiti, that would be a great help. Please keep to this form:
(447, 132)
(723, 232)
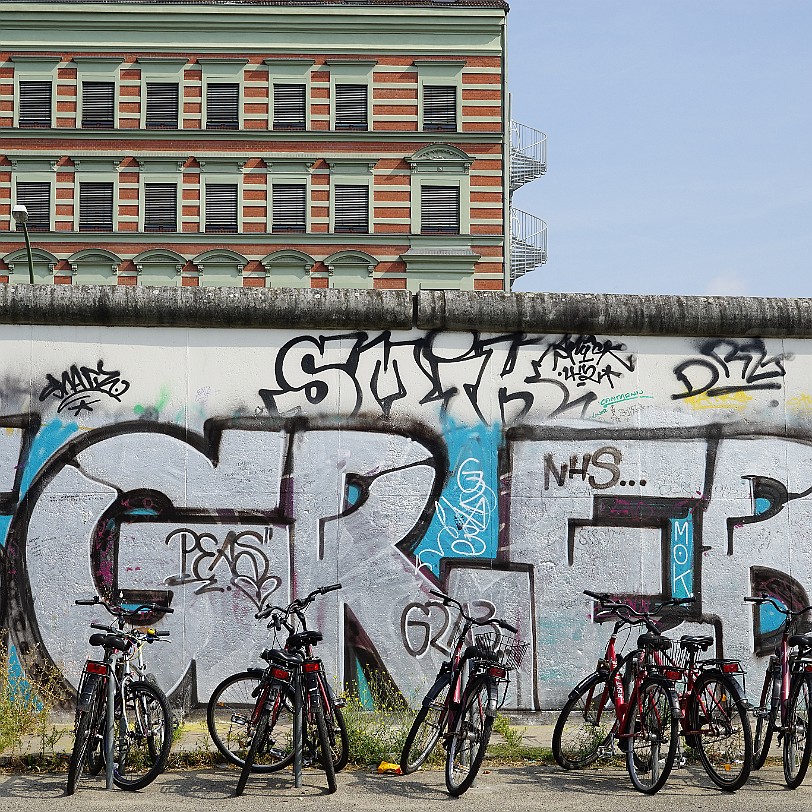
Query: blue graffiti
(466, 521)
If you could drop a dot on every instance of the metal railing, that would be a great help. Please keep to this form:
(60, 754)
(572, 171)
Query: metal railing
(528, 154)
(528, 246)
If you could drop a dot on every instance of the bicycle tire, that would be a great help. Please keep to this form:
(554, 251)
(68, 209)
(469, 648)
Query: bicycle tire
(228, 714)
(469, 739)
(85, 728)
(766, 715)
(325, 751)
(337, 733)
(260, 733)
(651, 723)
(426, 729)
(577, 736)
(798, 735)
(151, 729)
(717, 713)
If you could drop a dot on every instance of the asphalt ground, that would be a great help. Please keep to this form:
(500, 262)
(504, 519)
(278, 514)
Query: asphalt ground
(502, 789)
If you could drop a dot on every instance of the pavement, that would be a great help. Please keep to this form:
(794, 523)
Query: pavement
(496, 790)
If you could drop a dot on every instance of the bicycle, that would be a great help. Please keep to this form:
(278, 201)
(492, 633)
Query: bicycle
(784, 704)
(714, 712)
(293, 685)
(119, 709)
(463, 717)
(624, 701)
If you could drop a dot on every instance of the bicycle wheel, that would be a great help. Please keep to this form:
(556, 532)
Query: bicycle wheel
(86, 730)
(766, 715)
(798, 736)
(325, 751)
(260, 734)
(426, 729)
(653, 729)
(717, 716)
(584, 725)
(142, 736)
(337, 734)
(469, 739)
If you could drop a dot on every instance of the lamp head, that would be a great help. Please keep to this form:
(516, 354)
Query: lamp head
(20, 214)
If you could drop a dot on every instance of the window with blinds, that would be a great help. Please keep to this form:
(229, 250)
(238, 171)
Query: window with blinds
(95, 207)
(440, 210)
(289, 107)
(162, 106)
(351, 107)
(221, 208)
(351, 209)
(222, 106)
(36, 197)
(289, 208)
(35, 104)
(98, 105)
(439, 107)
(160, 207)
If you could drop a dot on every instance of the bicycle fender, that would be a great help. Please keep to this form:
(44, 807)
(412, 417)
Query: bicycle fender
(595, 675)
(442, 680)
(493, 699)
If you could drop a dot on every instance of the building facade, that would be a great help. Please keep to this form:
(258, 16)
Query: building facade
(268, 144)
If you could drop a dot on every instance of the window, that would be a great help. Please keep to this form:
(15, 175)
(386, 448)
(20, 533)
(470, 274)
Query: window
(289, 207)
(95, 207)
(35, 104)
(160, 207)
(98, 104)
(222, 106)
(162, 106)
(36, 197)
(351, 107)
(351, 204)
(289, 111)
(440, 209)
(439, 107)
(221, 208)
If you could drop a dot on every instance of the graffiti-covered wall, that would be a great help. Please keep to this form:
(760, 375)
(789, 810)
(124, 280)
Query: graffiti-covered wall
(221, 469)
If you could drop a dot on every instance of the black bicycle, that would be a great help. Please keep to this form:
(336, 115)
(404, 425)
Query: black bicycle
(137, 744)
(293, 683)
(464, 715)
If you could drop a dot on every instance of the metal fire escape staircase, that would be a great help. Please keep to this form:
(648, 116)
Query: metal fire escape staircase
(528, 161)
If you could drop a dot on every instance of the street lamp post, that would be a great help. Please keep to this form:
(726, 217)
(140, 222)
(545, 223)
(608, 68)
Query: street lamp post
(20, 215)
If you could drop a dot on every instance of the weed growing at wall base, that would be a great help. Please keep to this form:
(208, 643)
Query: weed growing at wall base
(26, 703)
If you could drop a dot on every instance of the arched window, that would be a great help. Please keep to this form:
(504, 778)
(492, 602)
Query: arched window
(350, 269)
(160, 267)
(220, 268)
(288, 269)
(94, 266)
(44, 263)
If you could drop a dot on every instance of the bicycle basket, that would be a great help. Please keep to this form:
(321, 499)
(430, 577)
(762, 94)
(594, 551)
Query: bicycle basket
(672, 664)
(506, 650)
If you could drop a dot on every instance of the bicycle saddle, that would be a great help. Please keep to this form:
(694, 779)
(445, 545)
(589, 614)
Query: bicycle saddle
(801, 640)
(653, 641)
(696, 642)
(301, 639)
(109, 641)
(276, 655)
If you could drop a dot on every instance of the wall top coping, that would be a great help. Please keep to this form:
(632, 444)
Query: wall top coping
(338, 309)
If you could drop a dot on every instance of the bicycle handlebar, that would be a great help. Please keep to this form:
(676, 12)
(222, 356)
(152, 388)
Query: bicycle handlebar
(118, 611)
(447, 599)
(785, 610)
(297, 605)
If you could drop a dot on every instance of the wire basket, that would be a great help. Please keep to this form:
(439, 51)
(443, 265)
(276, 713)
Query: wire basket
(508, 651)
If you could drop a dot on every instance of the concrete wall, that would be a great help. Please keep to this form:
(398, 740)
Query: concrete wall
(226, 449)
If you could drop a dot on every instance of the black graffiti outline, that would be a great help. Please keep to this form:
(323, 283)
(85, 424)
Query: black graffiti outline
(77, 382)
(744, 352)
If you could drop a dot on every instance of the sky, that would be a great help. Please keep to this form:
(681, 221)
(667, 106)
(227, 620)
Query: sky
(679, 138)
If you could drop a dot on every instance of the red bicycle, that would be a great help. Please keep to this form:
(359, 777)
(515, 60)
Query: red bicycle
(786, 697)
(625, 701)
